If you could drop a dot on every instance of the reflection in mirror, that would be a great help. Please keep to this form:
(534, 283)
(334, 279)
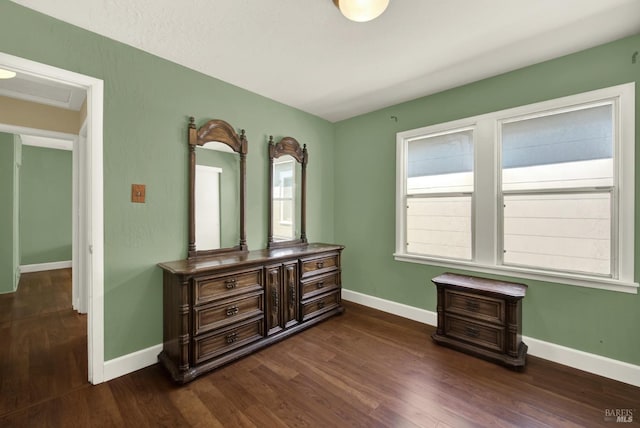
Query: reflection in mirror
(216, 197)
(217, 187)
(286, 198)
(286, 193)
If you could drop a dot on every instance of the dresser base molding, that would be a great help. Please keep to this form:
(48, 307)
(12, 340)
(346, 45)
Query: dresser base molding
(517, 363)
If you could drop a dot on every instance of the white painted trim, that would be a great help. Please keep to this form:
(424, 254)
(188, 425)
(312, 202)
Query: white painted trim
(596, 364)
(39, 267)
(555, 277)
(47, 142)
(95, 215)
(592, 363)
(405, 311)
(21, 130)
(487, 236)
(95, 226)
(131, 362)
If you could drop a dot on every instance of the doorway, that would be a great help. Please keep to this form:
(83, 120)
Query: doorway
(88, 240)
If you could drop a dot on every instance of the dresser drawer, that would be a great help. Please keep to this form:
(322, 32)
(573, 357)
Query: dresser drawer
(320, 284)
(487, 336)
(213, 345)
(319, 265)
(227, 285)
(320, 305)
(474, 306)
(222, 313)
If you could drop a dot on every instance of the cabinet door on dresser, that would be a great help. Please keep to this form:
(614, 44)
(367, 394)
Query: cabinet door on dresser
(282, 296)
(273, 293)
(291, 294)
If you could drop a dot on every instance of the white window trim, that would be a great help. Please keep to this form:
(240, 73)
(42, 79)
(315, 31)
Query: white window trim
(486, 240)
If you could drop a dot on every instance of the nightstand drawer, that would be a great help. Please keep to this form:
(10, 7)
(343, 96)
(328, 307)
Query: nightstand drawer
(320, 284)
(222, 313)
(474, 306)
(320, 265)
(211, 346)
(227, 285)
(487, 336)
(320, 305)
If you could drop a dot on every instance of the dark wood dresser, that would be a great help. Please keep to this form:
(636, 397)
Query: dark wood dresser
(220, 308)
(482, 317)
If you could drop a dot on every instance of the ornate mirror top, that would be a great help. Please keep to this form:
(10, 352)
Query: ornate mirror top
(288, 146)
(217, 130)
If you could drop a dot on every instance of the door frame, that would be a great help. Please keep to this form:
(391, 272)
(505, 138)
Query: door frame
(91, 205)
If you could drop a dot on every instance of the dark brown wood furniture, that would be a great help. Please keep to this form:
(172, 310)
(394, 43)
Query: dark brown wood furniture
(222, 304)
(216, 131)
(288, 146)
(482, 317)
(222, 307)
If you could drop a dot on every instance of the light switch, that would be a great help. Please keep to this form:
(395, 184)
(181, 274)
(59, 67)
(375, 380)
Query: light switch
(137, 193)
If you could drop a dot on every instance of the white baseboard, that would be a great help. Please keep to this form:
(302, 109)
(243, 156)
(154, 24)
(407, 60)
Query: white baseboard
(131, 362)
(592, 363)
(39, 267)
(405, 311)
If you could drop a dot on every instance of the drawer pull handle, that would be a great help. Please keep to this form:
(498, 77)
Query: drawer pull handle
(320, 305)
(320, 284)
(231, 283)
(233, 310)
(232, 338)
(320, 265)
(472, 332)
(472, 306)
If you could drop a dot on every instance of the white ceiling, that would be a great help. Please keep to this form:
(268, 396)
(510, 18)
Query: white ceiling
(305, 54)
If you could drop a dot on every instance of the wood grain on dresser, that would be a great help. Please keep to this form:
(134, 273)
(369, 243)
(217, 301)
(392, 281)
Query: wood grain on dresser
(222, 307)
(482, 317)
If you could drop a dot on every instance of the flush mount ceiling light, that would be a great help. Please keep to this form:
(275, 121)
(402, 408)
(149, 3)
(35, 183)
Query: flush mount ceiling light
(361, 10)
(7, 74)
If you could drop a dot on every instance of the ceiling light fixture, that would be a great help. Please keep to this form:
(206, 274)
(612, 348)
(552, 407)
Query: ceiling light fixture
(7, 74)
(361, 10)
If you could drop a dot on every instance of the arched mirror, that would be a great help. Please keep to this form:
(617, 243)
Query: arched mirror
(217, 188)
(287, 193)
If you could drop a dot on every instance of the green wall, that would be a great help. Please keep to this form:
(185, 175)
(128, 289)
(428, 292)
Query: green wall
(591, 320)
(6, 213)
(45, 205)
(147, 102)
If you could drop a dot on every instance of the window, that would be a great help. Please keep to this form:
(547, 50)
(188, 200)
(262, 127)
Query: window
(439, 190)
(557, 189)
(543, 191)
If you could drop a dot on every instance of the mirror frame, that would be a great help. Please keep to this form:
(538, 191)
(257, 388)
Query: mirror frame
(288, 146)
(219, 131)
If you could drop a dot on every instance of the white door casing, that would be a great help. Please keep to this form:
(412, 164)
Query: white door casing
(88, 169)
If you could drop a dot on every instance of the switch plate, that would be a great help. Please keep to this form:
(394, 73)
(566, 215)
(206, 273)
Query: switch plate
(138, 193)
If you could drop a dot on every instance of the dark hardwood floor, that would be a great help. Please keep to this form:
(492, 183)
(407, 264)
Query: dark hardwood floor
(362, 369)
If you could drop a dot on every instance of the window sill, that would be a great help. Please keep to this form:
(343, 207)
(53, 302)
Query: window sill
(569, 279)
